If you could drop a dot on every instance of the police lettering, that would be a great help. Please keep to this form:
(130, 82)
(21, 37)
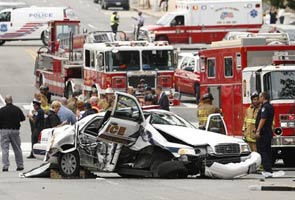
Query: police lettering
(115, 129)
(41, 15)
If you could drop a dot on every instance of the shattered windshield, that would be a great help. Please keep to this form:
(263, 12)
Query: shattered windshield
(280, 84)
(157, 60)
(169, 119)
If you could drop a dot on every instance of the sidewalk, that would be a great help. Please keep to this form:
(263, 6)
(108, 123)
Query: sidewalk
(154, 10)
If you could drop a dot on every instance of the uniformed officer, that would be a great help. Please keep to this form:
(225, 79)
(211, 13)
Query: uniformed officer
(205, 109)
(249, 121)
(115, 22)
(264, 131)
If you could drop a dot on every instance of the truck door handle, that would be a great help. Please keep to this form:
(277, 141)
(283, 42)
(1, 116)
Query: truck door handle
(10, 24)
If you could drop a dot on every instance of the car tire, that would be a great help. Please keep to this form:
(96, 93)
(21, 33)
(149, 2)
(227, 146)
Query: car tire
(2, 42)
(172, 170)
(158, 158)
(44, 39)
(69, 164)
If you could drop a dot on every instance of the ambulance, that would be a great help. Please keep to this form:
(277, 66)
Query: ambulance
(204, 21)
(30, 23)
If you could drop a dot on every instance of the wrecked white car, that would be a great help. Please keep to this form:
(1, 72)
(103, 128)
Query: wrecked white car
(150, 143)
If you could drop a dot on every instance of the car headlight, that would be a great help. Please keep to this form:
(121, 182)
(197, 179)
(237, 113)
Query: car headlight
(245, 148)
(209, 150)
(186, 151)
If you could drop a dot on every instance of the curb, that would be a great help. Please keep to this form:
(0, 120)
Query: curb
(146, 12)
(271, 188)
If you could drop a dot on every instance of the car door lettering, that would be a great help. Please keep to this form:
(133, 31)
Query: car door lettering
(116, 130)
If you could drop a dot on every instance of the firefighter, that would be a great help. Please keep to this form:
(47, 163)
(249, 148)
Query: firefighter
(249, 121)
(115, 22)
(205, 109)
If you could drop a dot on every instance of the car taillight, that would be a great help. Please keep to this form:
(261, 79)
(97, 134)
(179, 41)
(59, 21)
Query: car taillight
(39, 137)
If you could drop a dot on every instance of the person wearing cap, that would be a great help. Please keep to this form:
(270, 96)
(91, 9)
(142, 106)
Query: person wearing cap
(10, 118)
(114, 22)
(249, 121)
(37, 118)
(205, 109)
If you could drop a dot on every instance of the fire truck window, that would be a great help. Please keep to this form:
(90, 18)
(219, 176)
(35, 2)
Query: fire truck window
(5, 17)
(92, 57)
(157, 60)
(123, 61)
(63, 31)
(211, 68)
(87, 58)
(280, 84)
(178, 21)
(228, 67)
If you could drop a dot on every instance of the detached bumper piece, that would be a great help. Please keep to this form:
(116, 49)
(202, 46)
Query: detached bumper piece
(233, 170)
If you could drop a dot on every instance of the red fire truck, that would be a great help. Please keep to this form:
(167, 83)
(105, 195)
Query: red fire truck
(82, 62)
(204, 21)
(232, 70)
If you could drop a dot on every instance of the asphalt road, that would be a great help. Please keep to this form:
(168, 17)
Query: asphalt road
(17, 79)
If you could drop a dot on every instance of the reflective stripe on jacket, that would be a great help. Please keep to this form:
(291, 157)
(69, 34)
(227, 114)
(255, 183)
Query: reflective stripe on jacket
(203, 111)
(249, 123)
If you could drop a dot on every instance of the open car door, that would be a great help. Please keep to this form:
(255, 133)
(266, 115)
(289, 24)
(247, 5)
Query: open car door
(125, 122)
(215, 123)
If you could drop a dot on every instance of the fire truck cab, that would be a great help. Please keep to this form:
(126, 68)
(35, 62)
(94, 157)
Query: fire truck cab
(204, 21)
(128, 63)
(232, 70)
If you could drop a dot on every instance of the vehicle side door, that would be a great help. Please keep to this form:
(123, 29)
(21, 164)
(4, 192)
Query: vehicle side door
(125, 122)
(191, 76)
(215, 123)
(178, 33)
(180, 75)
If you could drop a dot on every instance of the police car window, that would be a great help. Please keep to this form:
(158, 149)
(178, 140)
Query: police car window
(211, 68)
(93, 127)
(228, 67)
(126, 108)
(5, 17)
(169, 119)
(216, 125)
(157, 60)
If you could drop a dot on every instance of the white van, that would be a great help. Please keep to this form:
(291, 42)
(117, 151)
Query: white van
(30, 23)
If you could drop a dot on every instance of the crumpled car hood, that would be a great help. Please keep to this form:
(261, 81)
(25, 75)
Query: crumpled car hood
(196, 137)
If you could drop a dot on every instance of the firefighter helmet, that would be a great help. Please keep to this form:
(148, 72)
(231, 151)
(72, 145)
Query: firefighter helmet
(109, 91)
(254, 94)
(208, 96)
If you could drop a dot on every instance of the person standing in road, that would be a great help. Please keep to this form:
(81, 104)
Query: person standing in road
(263, 125)
(249, 121)
(115, 22)
(163, 100)
(37, 118)
(10, 118)
(140, 23)
(205, 109)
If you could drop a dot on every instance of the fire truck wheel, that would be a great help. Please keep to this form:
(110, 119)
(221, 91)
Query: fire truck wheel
(172, 170)
(69, 164)
(2, 42)
(289, 161)
(44, 39)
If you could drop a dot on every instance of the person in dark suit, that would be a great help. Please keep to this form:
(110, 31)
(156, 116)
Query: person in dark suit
(163, 100)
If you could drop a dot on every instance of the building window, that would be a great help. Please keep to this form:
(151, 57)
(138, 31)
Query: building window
(228, 67)
(211, 68)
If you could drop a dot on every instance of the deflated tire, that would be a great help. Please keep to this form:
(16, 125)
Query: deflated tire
(172, 170)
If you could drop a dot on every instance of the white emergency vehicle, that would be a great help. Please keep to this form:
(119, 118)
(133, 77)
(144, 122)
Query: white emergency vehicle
(5, 5)
(30, 23)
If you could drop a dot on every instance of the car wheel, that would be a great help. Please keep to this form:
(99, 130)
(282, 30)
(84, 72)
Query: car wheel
(158, 158)
(2, 42)
(172, 170)
(69, 164)
(44, 39)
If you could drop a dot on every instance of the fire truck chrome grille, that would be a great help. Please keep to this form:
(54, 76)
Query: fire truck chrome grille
(227, 149)
(135, 81)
